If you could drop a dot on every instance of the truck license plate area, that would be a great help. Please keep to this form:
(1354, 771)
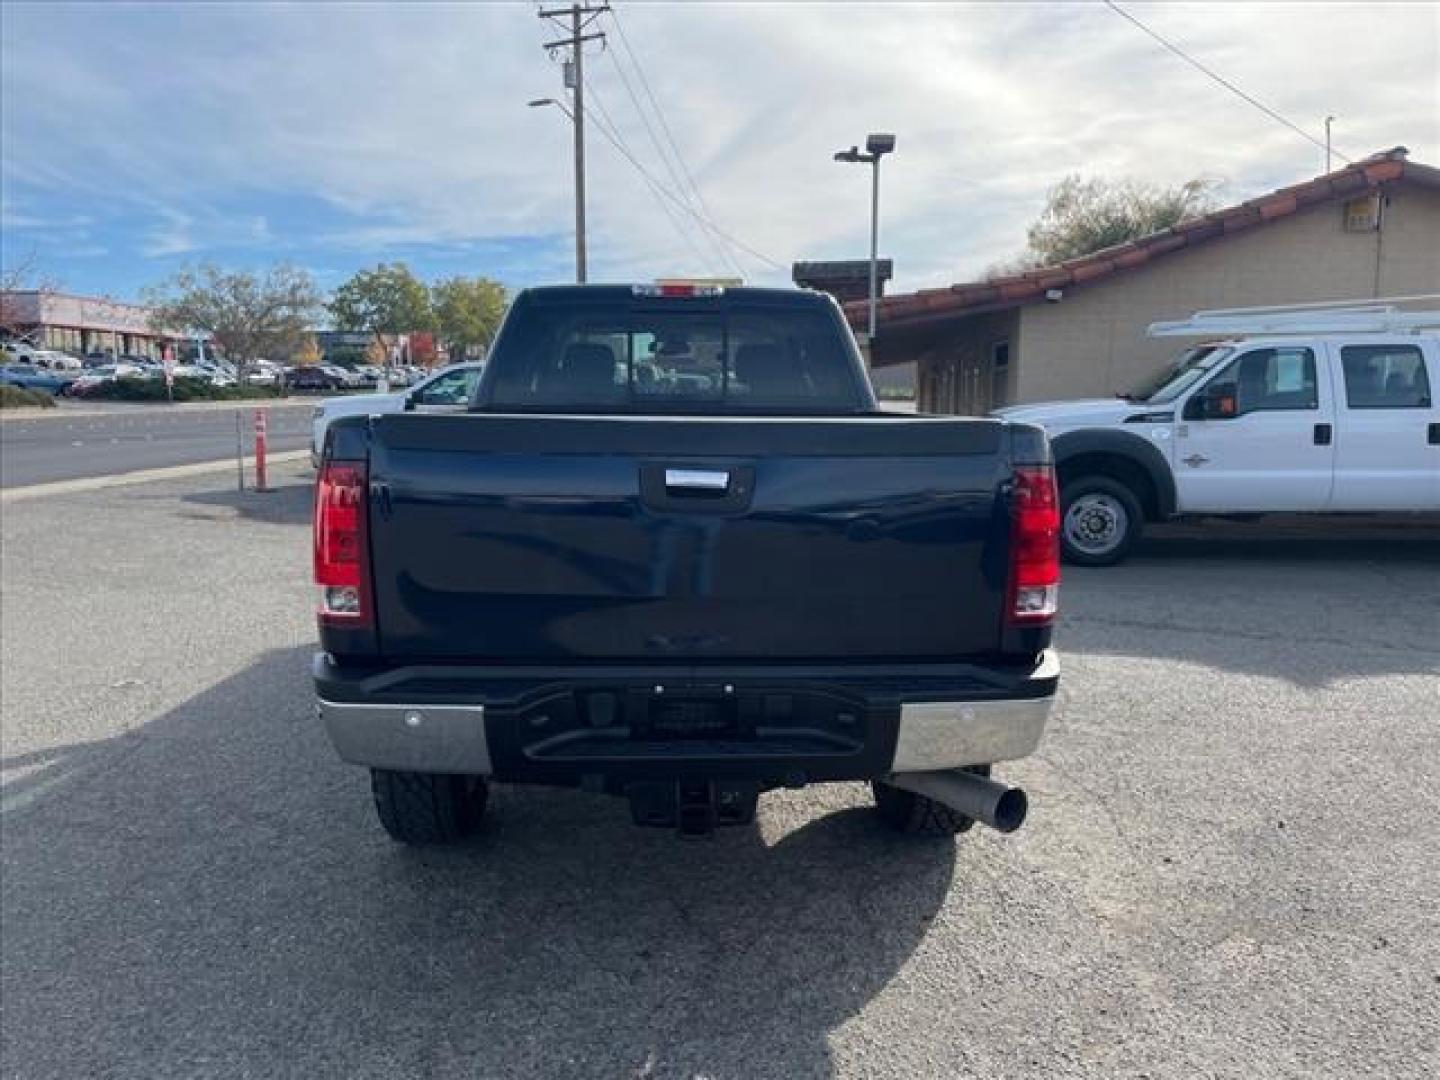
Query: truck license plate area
(659, 722)
(691, 718)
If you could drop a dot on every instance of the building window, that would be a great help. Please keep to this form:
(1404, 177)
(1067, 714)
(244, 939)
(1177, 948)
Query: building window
(999, 374)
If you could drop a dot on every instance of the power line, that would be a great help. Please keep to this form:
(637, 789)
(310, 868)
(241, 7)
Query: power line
(1222, 80)
(717, 251)
(669, 196)
(694, 188)
(611, 132)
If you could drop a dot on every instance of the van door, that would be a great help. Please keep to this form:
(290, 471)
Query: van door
(1387, 447)
(1258, 435)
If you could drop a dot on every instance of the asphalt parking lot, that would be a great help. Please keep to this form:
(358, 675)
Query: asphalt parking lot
(1230, 867)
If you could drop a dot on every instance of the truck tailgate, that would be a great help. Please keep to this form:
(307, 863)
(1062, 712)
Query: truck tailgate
(545, 538)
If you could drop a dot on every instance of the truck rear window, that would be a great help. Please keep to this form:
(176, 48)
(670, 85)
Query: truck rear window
(663, 357)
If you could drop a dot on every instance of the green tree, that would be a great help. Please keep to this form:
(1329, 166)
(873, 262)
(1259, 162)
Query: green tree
(467, 311)
(247, 315)
(388, 299)
(1083, 216)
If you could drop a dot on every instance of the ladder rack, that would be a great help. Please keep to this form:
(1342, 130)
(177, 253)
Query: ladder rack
(1381, 315)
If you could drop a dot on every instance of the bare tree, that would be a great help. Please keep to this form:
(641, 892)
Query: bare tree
(246, 315)
(20, 277)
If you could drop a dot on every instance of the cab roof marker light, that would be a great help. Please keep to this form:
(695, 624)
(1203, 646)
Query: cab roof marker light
(676, 289)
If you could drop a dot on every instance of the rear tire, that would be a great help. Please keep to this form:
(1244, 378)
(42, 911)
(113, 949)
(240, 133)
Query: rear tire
(1100, 521)
(428, 808)
(914, 814)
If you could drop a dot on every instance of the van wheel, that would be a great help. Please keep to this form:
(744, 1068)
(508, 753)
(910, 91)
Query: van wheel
(428, 808)
(914, 814)
(1100, 520)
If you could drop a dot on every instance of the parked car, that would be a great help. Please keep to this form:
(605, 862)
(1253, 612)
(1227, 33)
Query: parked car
(94, 377)
(200, 371)
(262, 373)
(217, 375)
(346, 377)
(33, 378)
(444, 391)
(50, 359)
(1286, 419)
(313, 377)
(682, 596)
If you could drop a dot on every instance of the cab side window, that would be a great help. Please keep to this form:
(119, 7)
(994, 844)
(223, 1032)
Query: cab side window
(1264, 380)
(452, 388)
(1385, 377)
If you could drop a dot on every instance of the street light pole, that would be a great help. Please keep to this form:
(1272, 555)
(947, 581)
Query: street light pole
(579, 183)
(877, 145)
(874, 240)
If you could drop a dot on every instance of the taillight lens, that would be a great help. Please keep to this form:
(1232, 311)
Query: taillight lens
(1034, 546)
(340, 543)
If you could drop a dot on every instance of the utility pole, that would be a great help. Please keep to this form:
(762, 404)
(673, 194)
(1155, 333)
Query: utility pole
(580, 16)
(1328, 121)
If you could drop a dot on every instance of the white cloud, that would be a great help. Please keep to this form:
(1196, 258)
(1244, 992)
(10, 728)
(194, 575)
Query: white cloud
(410, 120)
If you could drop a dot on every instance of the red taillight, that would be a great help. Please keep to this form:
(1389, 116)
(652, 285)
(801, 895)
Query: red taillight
(1034, 546)
(340, 569)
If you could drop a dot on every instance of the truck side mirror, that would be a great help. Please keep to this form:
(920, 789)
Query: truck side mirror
(1216, 402)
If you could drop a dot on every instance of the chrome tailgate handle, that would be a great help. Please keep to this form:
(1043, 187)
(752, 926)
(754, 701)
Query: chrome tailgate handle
(711, 480)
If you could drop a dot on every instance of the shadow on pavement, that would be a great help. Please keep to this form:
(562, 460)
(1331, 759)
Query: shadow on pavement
(1291, 539)
(289, 503)
(211, 894)
(1311, 602)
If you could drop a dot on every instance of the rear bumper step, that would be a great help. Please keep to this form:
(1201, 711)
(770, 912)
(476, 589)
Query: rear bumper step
(768, 731)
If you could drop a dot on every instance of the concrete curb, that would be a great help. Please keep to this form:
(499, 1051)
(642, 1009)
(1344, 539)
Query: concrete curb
(140, 476)
(123, 408)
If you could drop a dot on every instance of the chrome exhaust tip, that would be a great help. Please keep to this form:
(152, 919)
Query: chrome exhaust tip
(988, 801)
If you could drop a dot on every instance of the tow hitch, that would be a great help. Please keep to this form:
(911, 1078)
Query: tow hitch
(694, 808)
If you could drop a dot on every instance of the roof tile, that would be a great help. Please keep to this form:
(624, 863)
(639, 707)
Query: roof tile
(960, 299)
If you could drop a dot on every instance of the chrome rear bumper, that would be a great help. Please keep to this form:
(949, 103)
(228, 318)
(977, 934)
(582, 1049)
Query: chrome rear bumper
(452, 738)
(952, 734)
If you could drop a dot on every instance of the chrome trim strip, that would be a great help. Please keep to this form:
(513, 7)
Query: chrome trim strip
(414, 738)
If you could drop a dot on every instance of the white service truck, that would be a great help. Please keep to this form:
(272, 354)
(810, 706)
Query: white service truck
(1310, 409)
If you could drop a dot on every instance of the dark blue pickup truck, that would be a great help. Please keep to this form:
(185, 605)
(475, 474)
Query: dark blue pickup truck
(674, 551)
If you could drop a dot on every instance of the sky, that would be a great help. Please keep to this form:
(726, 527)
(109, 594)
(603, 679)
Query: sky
(137, 138)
